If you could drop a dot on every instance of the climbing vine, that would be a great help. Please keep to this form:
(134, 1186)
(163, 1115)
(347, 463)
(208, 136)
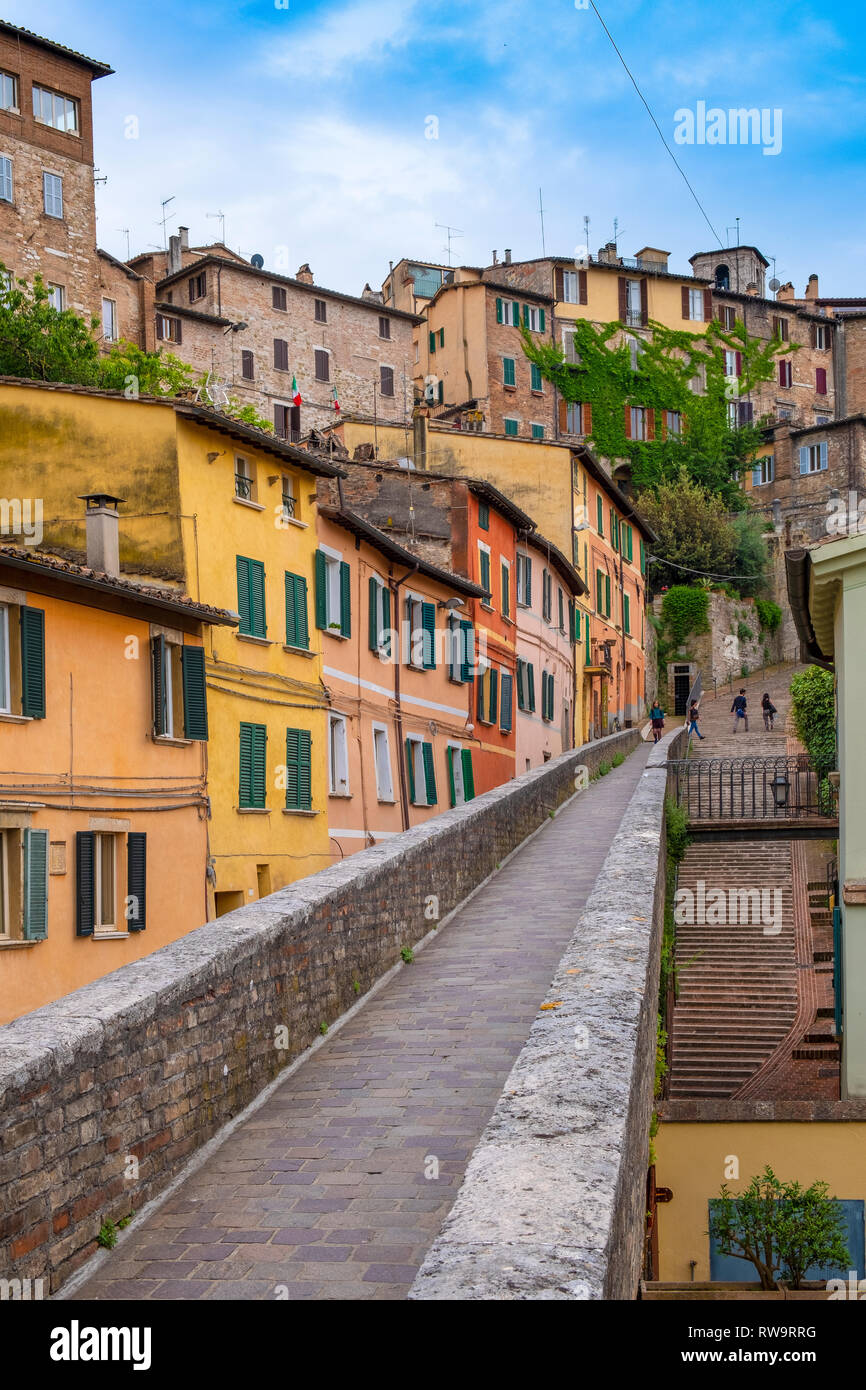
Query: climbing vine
(684, 611)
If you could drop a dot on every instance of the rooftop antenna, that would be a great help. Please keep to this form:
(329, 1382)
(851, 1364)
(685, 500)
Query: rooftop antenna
(541, 216)
(222, 218)
(99, 178)
(164, 219)
(615, 230)
(451, 232)
(586, 232)
(124, 231)
(738, 231)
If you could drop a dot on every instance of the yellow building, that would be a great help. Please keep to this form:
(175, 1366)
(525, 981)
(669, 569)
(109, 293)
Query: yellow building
(227, 514)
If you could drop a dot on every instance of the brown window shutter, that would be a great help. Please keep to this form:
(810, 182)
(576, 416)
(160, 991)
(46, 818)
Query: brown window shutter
(813, 335)
(563, 416)
(644, 301)
(628, 422)
(558, 288)
(650, 424)
(179, 338)
(587, 418)
(623, 299)
(685, 301)
(708, 305)
(663, 425)
(721, 315)
(581, 287)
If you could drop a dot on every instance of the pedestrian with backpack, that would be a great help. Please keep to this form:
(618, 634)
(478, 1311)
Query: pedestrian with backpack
(658, 721)
(769, 711)
(694, 716)
(739, 711)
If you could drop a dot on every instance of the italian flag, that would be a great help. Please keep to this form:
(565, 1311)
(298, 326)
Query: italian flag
(296, 395)
(334, 397)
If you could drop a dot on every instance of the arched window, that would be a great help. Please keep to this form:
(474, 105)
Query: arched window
(723, 277)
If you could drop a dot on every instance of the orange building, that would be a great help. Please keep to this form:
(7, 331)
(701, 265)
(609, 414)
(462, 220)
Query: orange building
(103, 774)
(398, 669)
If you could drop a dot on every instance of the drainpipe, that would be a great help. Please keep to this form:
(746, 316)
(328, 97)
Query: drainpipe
(398, 712)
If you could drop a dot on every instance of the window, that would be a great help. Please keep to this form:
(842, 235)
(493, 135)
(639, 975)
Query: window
(461, 656)
(599, 510)
(547, 696)
(569, 348)
(421, 633)
(52, 195)
(764, 471)
(602, 593)
(197, 286)
(245, 481)
(323, 369)
(821, 380)
(297, 622)
(484, 570)
(822, 419)
(98, 883)
(384, 326)
(785, 373)
(633, 306)
(248, 365)
(299, 796)
(333, 594)
(56, 297)
(733, 363)
(728, 317)
(338, 756)
(168, 329)
(287, 422)
(105, 874)
(461, 781)
(626, 614)
(508, 311)
(780, 328)
(483, 516)
(278, 297)
(536, 431)
(535, 379)
(251, 596)
(509, 377)
(572, 417)
(525, 685)
(380, 617)
(533, 319)
(22, 660)
(487, 691)
(570, 287)
(627, 546)
(673, 422)
(422, 775)
(178, 688)
(5, 179)
(23, 885)
(8, 92)
(821, 335)
(441, 337)
(252, 760)
(638, 422)
(561, 608)
(281, 355)
(695, 305)
(511, 426)
(386, 381)
(505, 588)
(50, 108)
(382, 763)
(813, 457)
(546, 595)
(288, 501)
(524, 580)
(320, 311)
(506, 701)
(109, 320)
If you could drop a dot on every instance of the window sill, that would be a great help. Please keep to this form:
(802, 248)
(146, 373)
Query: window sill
(297, 811)
(293, 521)
(16, 718)
(340, 796)
(173, 742)
(298, 651)
(340, 636)
(11, 945)
(488, 607)
(386, 801)
(244, 502)
(537, 393)
(256, 641)
(109, 935)
(253, 810)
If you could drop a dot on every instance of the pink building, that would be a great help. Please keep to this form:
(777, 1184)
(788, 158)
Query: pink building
(399, 672)
(547, 631)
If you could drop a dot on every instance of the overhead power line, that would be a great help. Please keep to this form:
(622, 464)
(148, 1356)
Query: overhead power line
(657, 560)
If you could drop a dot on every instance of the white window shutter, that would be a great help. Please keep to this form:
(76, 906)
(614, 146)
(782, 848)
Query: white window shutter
(823, 453)
(804, 459)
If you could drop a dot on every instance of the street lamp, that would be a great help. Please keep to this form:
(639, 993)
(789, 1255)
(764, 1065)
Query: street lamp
(781, 787)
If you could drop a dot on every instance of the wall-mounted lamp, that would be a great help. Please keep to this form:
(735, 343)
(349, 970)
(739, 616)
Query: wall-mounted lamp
(451, 603)
(212, 458)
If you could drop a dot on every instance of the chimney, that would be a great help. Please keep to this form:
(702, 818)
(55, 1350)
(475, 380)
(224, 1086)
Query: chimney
(102, 522)
(495, 260)
(183, 233)
(508, 255)
(785, 293)
(305, 275)
(752, 288)
(175, 261)
(812, 287)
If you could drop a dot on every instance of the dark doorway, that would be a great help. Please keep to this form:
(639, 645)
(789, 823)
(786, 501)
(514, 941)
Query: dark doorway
(682, 686)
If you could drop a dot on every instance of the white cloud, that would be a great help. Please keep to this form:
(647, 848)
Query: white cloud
(324, 47)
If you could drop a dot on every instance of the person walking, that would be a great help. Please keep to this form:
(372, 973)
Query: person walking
(694, 716)
(769, 711)
(739, 711)
(658, 721)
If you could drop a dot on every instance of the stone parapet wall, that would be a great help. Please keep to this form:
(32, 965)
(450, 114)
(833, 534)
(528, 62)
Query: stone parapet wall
(107, 1092)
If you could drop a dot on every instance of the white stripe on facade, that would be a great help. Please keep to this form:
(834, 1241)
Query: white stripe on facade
(381, 690)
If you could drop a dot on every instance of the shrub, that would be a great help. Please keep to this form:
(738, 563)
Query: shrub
(684, 610)
(603, 769)
(744, 632)
(769, 614)
(617, 760)
(813, 706)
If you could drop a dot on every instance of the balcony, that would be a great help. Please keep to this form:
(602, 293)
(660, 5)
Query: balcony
(634, 318)
(288, 505)
(243, 487)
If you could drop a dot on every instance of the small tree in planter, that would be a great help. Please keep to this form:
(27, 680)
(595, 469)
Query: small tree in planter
(781, 1228)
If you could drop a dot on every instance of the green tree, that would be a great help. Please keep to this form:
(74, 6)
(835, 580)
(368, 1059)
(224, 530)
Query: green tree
(813, 704)
(693, 529)
(781, 1228)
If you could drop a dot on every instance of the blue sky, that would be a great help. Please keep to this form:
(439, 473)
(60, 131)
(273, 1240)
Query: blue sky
(307, 126)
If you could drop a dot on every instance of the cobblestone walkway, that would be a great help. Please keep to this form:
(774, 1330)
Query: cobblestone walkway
(323, 1193)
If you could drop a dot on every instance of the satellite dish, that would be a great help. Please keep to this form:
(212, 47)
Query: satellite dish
(257, 260)
(774, 284)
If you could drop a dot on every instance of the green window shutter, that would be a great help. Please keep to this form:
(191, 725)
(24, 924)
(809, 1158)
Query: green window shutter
(541, 320)
(410, 768)
(386, 621)
(515, 314)
(468, 775)
(534, 377)
(242, 566)
(508, 372)
(599, 591)
(455, 637)
(428, 624)
(484, 567)
(33, 662)
(550, 696)
(373, 590)
(345, 599)
(642, 556)
(506, 590)
(607, 595)
(157, 683)
(35, 916)
(321, 589)
(505, 716)
(600, 515)
(298, 770)
(257, 595)
(136, 880)
(467, 654)
(499, 311)
(530, 671)
(511, 427)
(449, 758)
(544, 694)
(441, 337)
(297, 626)
(479, 696)
(429, 773)
(251, 785)
(85, 883)
(527, 567)
(586, 639)
(520, 699)
(630, 544)
(575, 623)
(494, 687)
(561, 605)
(626, 616)
(194, 693)
(432, 341)
(483, 516)
(526, 316)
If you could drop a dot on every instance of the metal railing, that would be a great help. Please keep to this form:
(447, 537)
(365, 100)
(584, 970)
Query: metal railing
(778, 788)
(288, 504)
(243, 486)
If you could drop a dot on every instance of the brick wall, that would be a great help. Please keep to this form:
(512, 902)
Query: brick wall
(802, 396)
(152, 1060)
(520, 402)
